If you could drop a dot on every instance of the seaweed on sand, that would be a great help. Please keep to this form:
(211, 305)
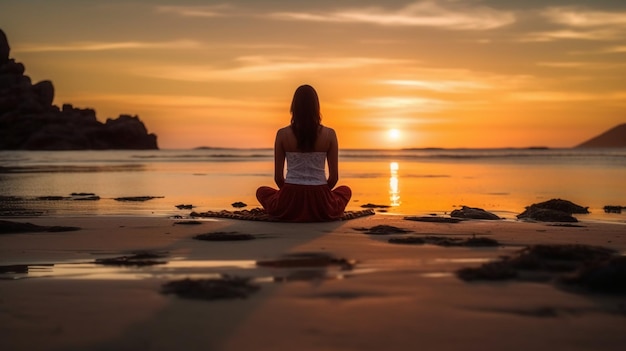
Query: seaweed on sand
(446, 241)
(224, 236)
(382, 229)
(139, 258)
(225, 287)
(590, 268)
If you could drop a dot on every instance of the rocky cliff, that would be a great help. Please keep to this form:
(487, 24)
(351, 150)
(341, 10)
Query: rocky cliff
(29, 120)
(614, 137)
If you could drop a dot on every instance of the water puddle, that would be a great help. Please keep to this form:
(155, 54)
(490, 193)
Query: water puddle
(277, 271)
(92, 270)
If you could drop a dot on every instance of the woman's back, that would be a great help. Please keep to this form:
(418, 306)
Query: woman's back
(324, 142)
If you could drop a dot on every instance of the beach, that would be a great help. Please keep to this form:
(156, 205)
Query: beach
(393, 296)
(115, 263)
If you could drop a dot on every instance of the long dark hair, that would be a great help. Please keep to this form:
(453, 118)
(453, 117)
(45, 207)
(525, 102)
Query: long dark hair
(305, 117)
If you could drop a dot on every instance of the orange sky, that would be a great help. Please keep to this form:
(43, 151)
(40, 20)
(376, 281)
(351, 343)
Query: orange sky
(443, 73)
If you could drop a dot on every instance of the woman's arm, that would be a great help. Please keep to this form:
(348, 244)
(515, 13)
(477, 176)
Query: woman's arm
(279, 160)
(332, 157)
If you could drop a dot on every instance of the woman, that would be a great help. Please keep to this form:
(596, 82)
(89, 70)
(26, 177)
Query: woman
(305, 194)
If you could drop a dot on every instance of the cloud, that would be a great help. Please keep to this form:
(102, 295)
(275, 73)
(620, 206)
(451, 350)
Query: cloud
(423, 13)
(437, 85)
(582, 24)
(601, 34)
(583, 18)
(178, 101)
(399, 104)
(197, 11)
(259, 68)
(106, 46)
(615, 49)
(562, 96)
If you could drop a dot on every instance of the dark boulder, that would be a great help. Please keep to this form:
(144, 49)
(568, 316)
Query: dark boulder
(546, 215)
(29, 120)
(554, 210)
(4, 47)
(473, 213)
(561, 205)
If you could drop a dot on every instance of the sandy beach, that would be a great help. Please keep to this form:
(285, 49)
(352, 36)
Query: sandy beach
(391, 297)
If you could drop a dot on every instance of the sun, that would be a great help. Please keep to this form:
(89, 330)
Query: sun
(394, 134)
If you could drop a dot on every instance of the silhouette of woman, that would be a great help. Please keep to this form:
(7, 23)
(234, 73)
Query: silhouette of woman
(305, 194)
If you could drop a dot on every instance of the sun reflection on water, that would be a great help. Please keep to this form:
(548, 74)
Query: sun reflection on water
(394, 192)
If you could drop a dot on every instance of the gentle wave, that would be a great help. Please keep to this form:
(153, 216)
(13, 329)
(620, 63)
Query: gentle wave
(13, 159)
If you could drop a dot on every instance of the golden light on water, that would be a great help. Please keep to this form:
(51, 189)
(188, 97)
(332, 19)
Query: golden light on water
(394, 190)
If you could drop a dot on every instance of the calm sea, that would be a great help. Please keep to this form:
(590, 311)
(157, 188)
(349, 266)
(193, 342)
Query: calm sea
(411, 182)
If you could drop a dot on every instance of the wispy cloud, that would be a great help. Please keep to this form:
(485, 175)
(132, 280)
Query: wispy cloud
(259, 68)
(178, 101)
(582, 24)
(106, 46)
(615, 49)
(197, 11)
(437, 85)
(563, 96)
(584, 18)
(599, 34)
(448, 15)
(399, 104)
(563, 64)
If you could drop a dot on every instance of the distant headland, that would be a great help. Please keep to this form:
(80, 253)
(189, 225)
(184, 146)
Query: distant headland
(29, 120)
(614, 137)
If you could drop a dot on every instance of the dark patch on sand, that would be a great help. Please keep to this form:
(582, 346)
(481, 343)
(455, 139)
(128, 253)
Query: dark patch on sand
(369, 205)
(573, 267)
(188, 222)
(606, 276)
(446, 241)
(137, 198)
(184, 206)
(14, 269)
(139, 258)
(433, 219)
(225, 287)
(239, 204)
(309, 275)
(567, 225)
(542, 311)
(9, 227)
(383, 229)
(308, 259)
(224, 236)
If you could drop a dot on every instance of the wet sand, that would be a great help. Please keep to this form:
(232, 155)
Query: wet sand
(356, 291)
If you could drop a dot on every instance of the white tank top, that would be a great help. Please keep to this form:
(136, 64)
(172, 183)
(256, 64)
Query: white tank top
(306, 168)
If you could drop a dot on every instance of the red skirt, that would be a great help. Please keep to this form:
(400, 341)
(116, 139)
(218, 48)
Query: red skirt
(304, 203)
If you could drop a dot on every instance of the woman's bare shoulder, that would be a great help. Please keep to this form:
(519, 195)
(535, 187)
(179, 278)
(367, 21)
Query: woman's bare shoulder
(328, 131)
(284, 132)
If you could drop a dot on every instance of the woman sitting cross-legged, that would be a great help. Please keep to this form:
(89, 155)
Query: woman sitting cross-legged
(305, 194)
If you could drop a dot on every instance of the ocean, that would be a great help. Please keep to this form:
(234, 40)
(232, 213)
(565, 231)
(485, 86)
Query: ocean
(410, 182)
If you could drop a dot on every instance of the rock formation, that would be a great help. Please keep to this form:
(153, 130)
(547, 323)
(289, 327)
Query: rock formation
(29, 120)
(614, 137)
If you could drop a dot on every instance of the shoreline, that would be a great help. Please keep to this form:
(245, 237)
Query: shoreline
(394, 297)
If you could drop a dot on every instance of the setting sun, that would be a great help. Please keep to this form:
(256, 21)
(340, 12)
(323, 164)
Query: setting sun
(393, 134)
